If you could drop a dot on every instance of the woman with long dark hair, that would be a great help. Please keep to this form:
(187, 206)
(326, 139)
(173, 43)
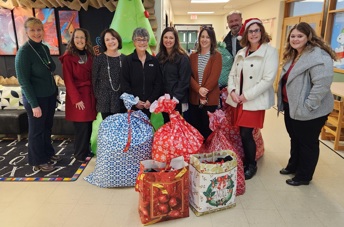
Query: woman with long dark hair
(206, 65)
(304, 94)
(80, 102)
(175, 67)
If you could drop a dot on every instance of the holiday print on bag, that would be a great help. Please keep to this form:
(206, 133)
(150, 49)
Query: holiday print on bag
(220, 190)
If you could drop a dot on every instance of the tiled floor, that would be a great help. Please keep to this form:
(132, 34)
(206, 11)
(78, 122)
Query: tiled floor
(268, 200)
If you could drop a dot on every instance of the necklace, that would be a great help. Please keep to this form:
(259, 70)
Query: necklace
(47, 64)
(82, 60)
(108, 69)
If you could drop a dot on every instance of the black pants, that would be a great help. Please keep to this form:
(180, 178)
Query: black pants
(304, 145)
(105, 115)
(249, 146)
(83, 131)
(198, 118)
(40, 148)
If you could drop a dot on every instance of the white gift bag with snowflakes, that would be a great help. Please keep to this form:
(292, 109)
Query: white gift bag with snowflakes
(212, 184)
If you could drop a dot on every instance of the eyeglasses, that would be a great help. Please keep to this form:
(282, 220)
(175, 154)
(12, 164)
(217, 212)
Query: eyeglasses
(141, 40)
(254, 31)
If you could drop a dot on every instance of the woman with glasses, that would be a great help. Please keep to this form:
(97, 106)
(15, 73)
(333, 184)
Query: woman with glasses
(250, 85)
(34, 68)
(106, 74)
(80, 102)
(304, 94)
(175, 67)
(206, 65)
(141, 74)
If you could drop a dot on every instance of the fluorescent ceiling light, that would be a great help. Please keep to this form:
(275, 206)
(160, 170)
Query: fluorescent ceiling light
(200, 12)
(209, 1)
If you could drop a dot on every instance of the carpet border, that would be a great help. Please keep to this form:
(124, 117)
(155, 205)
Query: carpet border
(76, 175)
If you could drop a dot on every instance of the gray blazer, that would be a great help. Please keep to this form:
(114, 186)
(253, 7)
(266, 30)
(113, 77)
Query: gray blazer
(308, 86)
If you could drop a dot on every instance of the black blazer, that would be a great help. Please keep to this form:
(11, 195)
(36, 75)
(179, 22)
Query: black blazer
(228, 41)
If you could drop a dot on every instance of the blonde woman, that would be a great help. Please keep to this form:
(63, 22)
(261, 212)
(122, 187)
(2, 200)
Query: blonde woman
(34, 69)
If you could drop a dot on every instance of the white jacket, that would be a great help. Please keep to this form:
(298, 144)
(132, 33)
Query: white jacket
(259, 72)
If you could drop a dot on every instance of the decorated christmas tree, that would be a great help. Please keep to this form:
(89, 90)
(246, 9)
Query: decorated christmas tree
(129, 15)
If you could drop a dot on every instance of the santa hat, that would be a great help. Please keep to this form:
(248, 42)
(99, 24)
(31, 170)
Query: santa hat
(247, 24)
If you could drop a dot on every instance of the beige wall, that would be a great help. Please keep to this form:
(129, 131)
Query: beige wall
(217, 22)
(266, 9)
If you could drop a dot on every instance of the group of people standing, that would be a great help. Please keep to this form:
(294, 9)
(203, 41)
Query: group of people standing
(94, 84)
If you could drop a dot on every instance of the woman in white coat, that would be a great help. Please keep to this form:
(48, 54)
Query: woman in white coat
(250, 84)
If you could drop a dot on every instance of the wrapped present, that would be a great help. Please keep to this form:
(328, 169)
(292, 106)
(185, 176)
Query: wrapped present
(123, 141)
(212, 181)
(217, 141)
(163, 190)
(233, 133)
(176, 137)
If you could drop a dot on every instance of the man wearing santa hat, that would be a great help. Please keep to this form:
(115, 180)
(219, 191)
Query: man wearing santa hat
(234, 21)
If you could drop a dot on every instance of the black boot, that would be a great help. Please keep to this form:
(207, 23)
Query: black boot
(250, 171)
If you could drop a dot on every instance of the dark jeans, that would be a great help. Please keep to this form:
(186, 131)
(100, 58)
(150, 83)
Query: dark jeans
(40, 148)
(304, 145)
(198, 118)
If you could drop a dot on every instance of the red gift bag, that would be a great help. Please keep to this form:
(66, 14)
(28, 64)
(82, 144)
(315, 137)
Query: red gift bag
(163, 192)
(217, 141)
(175, 138)
(233, 133)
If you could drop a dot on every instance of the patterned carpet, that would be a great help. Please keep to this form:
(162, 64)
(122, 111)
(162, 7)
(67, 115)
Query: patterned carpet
(14, 162)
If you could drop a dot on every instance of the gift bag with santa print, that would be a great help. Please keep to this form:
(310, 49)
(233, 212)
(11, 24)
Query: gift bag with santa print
(163, 190)
(217, 141)
(176, 137)
(212, 181)
(233, 133)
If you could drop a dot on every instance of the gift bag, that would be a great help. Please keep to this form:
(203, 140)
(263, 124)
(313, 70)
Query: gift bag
(176, 137)
(217, 141)
(94, 135)
(163, 190)
(212, 181)
(233, 133)
(124, 140)
(157, 120)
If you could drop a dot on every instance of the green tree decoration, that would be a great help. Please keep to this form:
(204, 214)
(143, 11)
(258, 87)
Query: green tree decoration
(129, 15)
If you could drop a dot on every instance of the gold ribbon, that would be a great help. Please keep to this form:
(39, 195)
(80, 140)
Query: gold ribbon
(161, 187)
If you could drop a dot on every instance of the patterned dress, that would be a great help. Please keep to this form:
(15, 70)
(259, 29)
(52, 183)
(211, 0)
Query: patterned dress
(107, 96)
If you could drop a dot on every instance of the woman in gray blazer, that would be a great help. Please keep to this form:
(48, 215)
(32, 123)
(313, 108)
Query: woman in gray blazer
(305, 97)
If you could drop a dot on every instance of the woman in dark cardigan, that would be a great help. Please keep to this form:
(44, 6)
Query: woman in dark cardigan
(34, 69)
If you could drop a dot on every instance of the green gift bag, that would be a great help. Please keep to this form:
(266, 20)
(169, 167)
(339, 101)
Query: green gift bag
(94, 135)
(157, 120)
